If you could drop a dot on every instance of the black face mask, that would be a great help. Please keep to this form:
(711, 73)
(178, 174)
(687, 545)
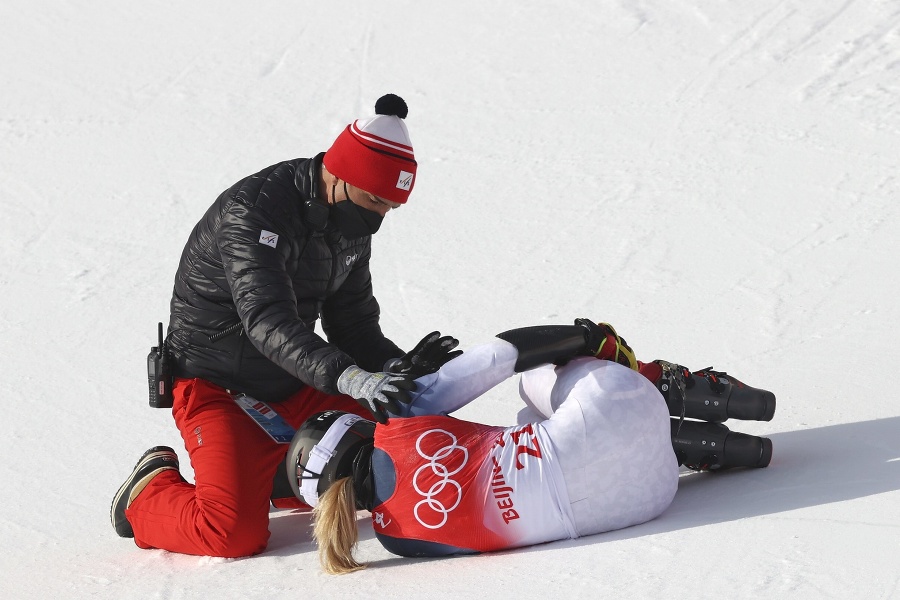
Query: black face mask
(353, 221)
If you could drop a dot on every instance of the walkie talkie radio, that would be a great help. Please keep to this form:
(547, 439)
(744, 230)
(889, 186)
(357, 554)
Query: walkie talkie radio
(159, 374)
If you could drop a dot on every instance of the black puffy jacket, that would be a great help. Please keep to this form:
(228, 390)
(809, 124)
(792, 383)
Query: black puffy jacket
(253, 279)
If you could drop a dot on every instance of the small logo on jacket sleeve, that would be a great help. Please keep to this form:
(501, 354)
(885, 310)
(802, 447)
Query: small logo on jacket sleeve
(268, 238)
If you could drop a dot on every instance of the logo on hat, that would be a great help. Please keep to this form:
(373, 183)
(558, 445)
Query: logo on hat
(405, 180)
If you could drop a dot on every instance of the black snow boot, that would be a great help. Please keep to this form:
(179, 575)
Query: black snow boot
(153, 462)
(703, 446)
(713, 396)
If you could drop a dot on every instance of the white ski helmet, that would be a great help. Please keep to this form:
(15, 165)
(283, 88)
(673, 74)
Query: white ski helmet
(323, 450)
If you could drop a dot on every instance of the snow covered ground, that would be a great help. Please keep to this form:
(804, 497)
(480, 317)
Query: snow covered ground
(718, 179)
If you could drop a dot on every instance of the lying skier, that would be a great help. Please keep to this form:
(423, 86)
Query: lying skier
(599, 457)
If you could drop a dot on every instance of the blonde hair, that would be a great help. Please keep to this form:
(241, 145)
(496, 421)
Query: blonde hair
(334, 528)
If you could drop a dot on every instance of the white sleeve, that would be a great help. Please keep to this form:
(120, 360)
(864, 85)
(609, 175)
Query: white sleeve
(463, 379)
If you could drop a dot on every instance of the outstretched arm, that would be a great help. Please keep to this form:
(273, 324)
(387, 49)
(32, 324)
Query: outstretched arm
(478, 370)
(463, 379)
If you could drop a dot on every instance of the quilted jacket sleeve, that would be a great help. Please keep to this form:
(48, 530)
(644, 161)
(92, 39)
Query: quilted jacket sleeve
(264, 297)
(350, 319)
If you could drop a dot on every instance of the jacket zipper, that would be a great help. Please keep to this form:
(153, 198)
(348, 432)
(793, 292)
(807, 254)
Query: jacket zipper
(334, 255)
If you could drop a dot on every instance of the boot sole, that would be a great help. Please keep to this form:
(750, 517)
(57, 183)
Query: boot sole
(766, 454)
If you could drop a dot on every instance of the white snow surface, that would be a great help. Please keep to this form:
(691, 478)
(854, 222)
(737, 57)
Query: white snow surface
(717, 179)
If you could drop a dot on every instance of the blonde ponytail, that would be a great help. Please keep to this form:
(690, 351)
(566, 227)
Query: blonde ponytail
(335, 530)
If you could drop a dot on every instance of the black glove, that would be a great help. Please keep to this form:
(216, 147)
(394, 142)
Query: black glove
(381, 393)
(428, 356)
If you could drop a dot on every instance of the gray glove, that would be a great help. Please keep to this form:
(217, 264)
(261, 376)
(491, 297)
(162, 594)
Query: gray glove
(381, 393)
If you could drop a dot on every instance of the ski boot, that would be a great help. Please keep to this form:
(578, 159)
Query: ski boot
(702, 446)
(713, 396)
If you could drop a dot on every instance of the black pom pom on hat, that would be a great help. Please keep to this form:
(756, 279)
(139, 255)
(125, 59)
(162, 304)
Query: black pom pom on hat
(392, 105)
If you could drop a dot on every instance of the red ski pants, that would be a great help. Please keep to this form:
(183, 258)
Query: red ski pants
(226, 511)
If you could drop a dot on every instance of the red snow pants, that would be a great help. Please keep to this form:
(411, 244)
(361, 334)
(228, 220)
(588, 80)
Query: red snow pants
(226, 511)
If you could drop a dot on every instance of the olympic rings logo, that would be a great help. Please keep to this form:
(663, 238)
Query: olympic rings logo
(439, 501)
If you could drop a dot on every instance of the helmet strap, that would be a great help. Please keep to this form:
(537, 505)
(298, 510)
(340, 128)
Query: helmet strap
(319, 456)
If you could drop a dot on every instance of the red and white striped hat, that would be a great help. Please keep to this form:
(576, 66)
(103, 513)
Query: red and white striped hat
(376, 154)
